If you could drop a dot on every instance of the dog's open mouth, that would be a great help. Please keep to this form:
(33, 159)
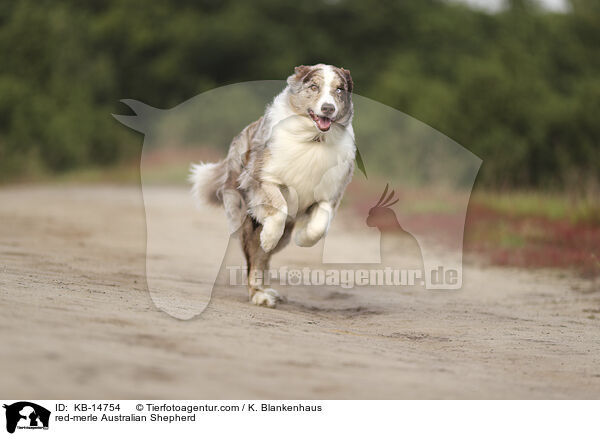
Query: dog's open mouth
(323, 123)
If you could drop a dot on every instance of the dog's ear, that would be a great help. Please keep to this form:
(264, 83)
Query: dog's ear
(348, 77)
(302, 71)
(301, 74)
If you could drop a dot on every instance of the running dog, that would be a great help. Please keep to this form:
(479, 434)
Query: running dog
(285, 172)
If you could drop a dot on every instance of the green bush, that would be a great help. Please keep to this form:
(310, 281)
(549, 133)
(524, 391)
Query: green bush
(520, 88)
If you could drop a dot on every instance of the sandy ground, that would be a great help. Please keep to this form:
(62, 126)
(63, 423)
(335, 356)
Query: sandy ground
(77, 321)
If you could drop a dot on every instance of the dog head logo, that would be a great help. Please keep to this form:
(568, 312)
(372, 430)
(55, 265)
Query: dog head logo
(26, 415)
(187, 250)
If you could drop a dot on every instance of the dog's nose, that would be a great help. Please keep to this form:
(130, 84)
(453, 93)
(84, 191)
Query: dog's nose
(327, 109)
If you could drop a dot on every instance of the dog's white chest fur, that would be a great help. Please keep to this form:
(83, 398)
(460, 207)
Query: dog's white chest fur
(313, 169)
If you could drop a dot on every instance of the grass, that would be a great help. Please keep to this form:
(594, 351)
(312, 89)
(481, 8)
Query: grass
(536, 229)
(161, 166)
(576, 208)
(121, 174)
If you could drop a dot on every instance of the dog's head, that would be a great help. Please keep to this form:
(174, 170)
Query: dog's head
(322, 93)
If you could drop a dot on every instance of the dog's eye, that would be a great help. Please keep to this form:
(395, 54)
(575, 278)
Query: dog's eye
(339, 90)
(314, 87)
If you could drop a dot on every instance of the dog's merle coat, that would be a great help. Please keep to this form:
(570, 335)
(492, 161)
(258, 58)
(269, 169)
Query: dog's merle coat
(287, 171)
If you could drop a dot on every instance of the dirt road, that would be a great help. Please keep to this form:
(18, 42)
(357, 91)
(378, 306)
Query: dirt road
(77, 321)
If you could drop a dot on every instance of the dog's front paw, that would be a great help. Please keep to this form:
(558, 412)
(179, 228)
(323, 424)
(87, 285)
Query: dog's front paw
(310, 235)
(271, 234)
(309, 230)
(302, 240)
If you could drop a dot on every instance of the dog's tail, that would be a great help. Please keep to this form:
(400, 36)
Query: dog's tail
(207, 181)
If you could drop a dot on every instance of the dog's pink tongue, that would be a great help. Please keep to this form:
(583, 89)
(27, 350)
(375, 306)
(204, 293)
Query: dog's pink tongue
(324, 123)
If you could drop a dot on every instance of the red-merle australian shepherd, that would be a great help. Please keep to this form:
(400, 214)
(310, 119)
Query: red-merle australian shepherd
(287, 171)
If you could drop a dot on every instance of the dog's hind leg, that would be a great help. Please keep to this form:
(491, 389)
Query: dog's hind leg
(257, 262)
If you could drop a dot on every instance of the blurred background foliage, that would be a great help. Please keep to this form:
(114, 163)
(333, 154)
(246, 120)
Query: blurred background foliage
(520, 88)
